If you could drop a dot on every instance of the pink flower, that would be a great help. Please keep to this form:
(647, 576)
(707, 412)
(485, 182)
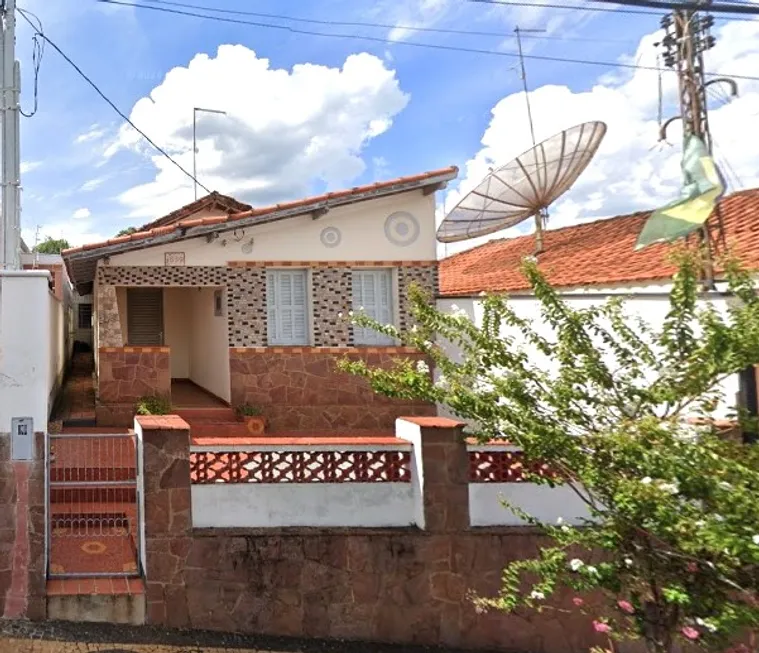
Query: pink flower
(601, 627)
(578, 601)
(626, 606)
(690, 632)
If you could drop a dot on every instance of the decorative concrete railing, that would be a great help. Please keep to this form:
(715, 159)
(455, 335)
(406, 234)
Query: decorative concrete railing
(497, 476)
(326, 482)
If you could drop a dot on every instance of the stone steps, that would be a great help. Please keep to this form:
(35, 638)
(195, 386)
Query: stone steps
(97, 600)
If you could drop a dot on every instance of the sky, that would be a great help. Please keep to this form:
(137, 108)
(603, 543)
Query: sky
(305, 113)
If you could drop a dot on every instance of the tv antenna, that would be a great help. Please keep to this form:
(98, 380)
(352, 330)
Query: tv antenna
(527, 185)
(524, 187)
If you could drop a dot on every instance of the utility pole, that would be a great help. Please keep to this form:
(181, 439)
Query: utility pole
(10, 82)
(686, 39)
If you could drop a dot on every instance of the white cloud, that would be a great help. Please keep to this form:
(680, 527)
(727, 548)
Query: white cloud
(284, 129)
(28, 166)
(92, 184)
(76, 233)
(94, 133)
(630, 171)
(81, 214)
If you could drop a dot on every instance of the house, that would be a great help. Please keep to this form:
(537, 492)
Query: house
(249, 305)
(593, 261)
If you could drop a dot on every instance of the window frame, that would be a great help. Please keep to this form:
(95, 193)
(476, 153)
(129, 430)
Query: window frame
(376, 339)
(272, 339)
(79, 316)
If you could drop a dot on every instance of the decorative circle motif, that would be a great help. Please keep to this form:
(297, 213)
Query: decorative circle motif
(331, 237)
(401, 228)
(93, 548)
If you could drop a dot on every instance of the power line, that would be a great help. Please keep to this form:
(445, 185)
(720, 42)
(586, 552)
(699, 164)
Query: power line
(611, 10)
(23, 14)
(432, 46)
(38, 51)
(410, 28)
(668, 5)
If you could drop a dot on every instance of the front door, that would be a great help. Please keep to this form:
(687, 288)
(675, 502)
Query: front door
(145, 316)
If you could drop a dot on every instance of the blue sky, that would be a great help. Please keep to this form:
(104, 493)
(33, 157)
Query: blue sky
(345, 120)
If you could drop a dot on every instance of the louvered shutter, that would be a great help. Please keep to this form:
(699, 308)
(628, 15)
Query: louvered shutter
(287, 306)
(372, 292)
(145, 316)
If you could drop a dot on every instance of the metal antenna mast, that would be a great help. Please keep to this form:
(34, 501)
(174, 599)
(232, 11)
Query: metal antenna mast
(686, 39)
(542, 217)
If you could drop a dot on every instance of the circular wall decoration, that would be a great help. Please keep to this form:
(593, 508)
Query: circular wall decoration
(401, 228)
(331, 237)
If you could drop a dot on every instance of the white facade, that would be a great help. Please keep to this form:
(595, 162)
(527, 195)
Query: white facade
(650, 303)
(362, 237)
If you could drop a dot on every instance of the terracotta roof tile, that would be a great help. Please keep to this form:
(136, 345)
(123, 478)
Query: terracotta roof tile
(156, 229)
(594, 253)
(214, 199)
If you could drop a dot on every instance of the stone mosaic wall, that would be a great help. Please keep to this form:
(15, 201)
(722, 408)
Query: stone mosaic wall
(301, 389)
(331, 295)
(128, 373)
(246, 296)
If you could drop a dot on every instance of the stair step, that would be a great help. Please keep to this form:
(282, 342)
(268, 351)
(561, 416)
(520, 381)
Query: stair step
(97, 600)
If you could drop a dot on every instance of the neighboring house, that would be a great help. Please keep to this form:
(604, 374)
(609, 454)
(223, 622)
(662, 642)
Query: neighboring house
(251, 306)
(593, 261)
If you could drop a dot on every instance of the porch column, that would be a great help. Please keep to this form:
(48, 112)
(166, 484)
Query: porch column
(167, 513)
(108, 322)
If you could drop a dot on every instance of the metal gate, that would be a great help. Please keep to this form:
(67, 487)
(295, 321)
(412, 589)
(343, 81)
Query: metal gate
(93, 505)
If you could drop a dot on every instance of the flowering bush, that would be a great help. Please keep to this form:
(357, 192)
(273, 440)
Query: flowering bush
(603, 400)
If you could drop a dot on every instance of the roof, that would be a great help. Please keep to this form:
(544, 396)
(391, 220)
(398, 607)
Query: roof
(213, 201)
(600, 253)
(81, 262)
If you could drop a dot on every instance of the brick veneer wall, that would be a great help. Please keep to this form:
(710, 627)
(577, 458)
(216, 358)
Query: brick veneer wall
(246, 296)
(301, 389)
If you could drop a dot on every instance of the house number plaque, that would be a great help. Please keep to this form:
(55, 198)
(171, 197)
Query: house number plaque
(174, 258)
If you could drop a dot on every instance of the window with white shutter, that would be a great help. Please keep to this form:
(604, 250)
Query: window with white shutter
(287, 305)
(373, 292)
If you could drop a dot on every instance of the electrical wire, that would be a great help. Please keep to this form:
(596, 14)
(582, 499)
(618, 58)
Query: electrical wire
(668, 5)
(433, 46)
(158, 148)
(38, 51)
(410, 28)
(611, 10)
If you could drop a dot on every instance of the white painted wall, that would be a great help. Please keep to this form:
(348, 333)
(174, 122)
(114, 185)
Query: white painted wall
(177, 328)
(59, 343)
(208, 344)
(651, 307)
(362, 227)
(25, 347)
(486, 507)
(269, 505)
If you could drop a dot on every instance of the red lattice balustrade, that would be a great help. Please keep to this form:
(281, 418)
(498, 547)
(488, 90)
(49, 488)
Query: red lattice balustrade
(502, 467)
(300, 467)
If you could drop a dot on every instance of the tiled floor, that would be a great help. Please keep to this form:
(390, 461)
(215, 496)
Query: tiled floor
(186, 394)
(78, 396)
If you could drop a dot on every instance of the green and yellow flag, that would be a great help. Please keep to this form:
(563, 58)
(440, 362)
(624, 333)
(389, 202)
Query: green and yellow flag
(702, 187)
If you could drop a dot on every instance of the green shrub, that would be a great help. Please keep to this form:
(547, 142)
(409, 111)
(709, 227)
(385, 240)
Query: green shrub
(248, 410)
(153, 405)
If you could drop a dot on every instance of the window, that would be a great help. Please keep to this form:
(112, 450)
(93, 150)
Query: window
(218, 303)
(85, 316)
(287, 307)
(372, 291)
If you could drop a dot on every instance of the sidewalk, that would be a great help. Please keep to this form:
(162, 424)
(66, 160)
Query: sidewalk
(48, 637)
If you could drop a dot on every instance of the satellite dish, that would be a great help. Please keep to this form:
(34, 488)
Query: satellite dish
(524, 187)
